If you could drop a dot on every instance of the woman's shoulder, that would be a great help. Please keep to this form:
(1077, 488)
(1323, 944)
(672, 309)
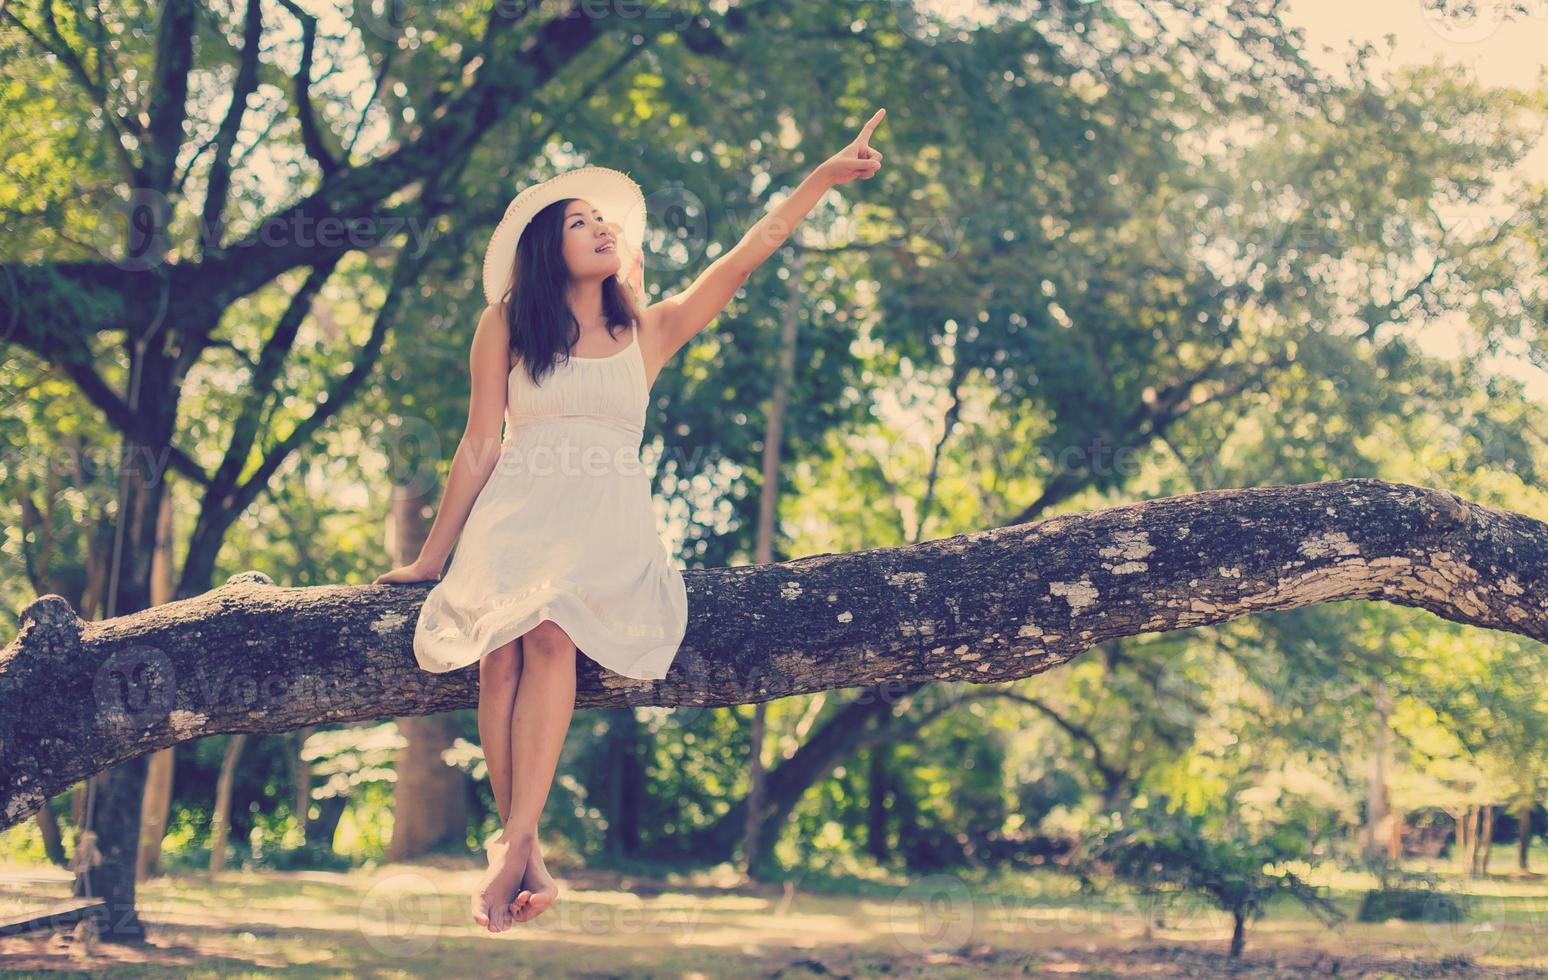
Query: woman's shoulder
(493, 316)
(492, 323)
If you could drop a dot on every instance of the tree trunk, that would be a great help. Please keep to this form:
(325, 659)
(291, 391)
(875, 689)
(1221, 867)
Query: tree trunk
(301, 780)
(1464, 821)
(988, 606)
(113, 812)
(1486, 838)
(626, 784)
(155, 810)
(1524, 835)
(1375, 802)
(157, 805)
(1474, 831)
(220, 825)
(906, 814)
(319, 832)
(429, 800)
(1460, 836)
(1395, 836)
(1377, 815)
(876, 803)
(752, 827)
(53, 841)
(1474, 826)
(78, 796)
(768, 511)
(105, 852)
(838, 739)
(1238, 934)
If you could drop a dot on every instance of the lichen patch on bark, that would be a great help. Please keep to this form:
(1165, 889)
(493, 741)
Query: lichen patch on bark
(1079, 594)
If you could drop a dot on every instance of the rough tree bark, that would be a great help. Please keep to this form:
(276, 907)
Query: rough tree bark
(78, 697)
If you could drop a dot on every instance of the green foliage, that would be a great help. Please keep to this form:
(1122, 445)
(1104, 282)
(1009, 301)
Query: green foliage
(1165, 851)
(23, 844)
(1412, 905)
(302, 857)
(1413, 896)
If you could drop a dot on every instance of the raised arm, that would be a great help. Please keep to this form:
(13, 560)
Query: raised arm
(478, 452)
(682, 316)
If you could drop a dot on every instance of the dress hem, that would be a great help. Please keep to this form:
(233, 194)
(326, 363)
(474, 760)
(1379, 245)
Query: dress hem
(580, 623)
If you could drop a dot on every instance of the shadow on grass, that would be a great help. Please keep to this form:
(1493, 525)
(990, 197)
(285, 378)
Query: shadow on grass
(645, 919)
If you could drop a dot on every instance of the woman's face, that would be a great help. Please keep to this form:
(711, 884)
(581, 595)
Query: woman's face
(590, 242)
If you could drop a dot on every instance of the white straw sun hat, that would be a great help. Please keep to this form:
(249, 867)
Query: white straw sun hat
(610, 191)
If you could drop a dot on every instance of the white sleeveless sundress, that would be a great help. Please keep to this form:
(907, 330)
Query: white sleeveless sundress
(565, 530)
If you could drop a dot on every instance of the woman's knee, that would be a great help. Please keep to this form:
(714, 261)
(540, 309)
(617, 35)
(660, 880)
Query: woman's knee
(499, 666)
(546, 639)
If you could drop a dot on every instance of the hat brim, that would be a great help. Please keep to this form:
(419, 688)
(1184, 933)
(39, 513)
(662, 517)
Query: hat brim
(611, 191)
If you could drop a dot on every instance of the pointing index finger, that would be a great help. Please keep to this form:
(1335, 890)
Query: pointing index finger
(870, 126)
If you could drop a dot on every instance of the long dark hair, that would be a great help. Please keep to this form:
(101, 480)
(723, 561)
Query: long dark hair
(537, 313)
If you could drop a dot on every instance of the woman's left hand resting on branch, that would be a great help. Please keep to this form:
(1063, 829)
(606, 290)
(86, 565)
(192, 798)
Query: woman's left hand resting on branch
(412, 572)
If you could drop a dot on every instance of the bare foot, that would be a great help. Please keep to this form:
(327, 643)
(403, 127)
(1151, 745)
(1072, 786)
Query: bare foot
(492, 900)
(538, 892)
(482, 906)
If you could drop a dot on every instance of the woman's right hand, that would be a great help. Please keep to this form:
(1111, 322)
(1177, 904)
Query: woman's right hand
(414, 571)
(855, 160)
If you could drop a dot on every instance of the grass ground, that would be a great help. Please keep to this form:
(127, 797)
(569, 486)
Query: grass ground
(407, 920)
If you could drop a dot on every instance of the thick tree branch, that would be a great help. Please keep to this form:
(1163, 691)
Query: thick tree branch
(306, 114)
(341, 390)
(77, 697)
(271, 362)
(168, 110)
(219, 182)
(959, 368)
(520, 68)
(77, 363)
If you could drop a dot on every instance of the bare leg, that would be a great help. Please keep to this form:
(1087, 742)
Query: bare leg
(537, 890)
(494, 719)
(545, 703)
(499, 672)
